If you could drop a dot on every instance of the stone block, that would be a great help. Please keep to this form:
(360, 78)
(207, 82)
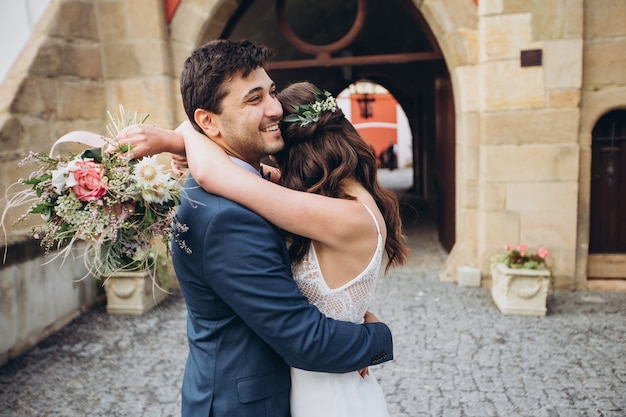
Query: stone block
(531, 127)
(605, 62)
(467, 163)
(504, 36)
(49, 58)
(83, 60)
(468, 276)
(466, 224)
(562, 261)
(35, 308)
(493, 196)
(467, 97)
(113, 23)
(73, 286)
(563, 64)
(507, 85)
(37, 95)
(597, 102)
(188, 22)
(136, 94)
(80, 100)
(8, 311)
(564, 98)
(56, 58)
(574, 19)
(549, 228)
(542, 196)
(146, 19)
(499, 227)
(120, 60)
(467, 129)
(548, 19)
(604, 18)
(153, 57)
(516, 6)
(530, 163)
(76, 19)
(11, 132)
(489, 7)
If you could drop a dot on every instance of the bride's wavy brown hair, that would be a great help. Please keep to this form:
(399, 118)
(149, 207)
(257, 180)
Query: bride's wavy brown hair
(319, 156)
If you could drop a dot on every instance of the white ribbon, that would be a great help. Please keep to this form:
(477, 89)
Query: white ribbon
(93, 140)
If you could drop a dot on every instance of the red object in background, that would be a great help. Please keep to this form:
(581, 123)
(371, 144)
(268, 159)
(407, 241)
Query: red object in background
(375, 129)
(170, 9)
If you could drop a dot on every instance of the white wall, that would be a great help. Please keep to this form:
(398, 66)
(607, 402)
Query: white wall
(17, 20)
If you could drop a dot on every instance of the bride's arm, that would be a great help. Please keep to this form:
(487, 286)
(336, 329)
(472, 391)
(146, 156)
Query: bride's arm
(324, 219)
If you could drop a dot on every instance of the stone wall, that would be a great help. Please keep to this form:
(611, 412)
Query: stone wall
(84, 58)
(39, 297)
(518, 133)
(604, 89)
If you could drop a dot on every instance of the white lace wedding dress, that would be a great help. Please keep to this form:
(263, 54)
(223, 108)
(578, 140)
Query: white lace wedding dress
(319, 394)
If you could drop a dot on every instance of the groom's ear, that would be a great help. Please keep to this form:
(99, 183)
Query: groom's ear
(208, 122)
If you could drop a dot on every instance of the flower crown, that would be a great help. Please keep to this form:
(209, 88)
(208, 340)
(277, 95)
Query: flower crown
(310, 113)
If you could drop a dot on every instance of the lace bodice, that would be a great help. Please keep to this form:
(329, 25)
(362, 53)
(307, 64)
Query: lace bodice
(348, 302)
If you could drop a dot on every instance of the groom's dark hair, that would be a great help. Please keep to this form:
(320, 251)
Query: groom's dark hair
(205, 74)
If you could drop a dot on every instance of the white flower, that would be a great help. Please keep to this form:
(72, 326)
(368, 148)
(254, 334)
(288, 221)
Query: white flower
(153, 183)
(63, 178)
(148, 172)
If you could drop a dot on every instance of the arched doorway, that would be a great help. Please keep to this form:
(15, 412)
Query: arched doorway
(406, 61)
(607, 225)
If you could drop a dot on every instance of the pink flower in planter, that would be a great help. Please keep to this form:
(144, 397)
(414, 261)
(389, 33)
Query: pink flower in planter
(507, 247)
(542, 253)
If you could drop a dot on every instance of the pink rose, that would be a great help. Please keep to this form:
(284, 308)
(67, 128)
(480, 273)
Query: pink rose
(522, 247)
(89, 184)
(507, 247)
(542, 253)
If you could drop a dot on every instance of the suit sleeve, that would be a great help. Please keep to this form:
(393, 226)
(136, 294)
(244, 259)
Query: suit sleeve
(250, 272)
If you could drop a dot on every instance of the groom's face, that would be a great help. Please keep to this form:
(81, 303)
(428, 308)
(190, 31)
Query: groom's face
(250, 117)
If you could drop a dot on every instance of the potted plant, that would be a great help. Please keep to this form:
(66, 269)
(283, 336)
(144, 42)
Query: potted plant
(520, 281)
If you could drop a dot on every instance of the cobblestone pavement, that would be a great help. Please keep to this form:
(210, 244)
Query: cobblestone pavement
(455, 354)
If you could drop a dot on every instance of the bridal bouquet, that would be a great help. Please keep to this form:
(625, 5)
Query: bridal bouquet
(118, 205)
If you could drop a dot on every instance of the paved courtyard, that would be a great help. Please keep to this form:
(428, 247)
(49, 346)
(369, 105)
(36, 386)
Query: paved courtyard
(455, 354)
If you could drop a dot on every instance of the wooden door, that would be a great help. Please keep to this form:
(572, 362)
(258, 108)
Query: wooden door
(445, 150)
(607, 228)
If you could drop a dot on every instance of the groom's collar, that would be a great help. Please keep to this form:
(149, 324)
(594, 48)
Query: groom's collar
(243, 164)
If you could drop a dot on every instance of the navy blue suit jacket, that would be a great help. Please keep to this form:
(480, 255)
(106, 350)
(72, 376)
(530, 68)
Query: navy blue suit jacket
(247, 321)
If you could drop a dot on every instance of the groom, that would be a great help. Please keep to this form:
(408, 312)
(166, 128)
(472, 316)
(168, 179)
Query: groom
(247, 321)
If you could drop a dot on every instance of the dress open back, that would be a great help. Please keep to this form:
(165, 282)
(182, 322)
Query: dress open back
(315, 394)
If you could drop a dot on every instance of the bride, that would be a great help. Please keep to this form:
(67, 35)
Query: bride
(339, 224)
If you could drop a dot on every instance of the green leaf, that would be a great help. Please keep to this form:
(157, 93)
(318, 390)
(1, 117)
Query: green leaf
(94, 153)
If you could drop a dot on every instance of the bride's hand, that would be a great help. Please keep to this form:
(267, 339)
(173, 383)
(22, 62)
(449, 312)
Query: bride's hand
(370, 317)
(145, 140)
(178, 163)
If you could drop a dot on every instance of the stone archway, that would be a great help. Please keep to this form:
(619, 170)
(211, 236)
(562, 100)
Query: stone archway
(454, 26)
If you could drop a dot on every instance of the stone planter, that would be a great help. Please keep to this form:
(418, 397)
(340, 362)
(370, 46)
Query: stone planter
(520, 291)
(132, 292)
